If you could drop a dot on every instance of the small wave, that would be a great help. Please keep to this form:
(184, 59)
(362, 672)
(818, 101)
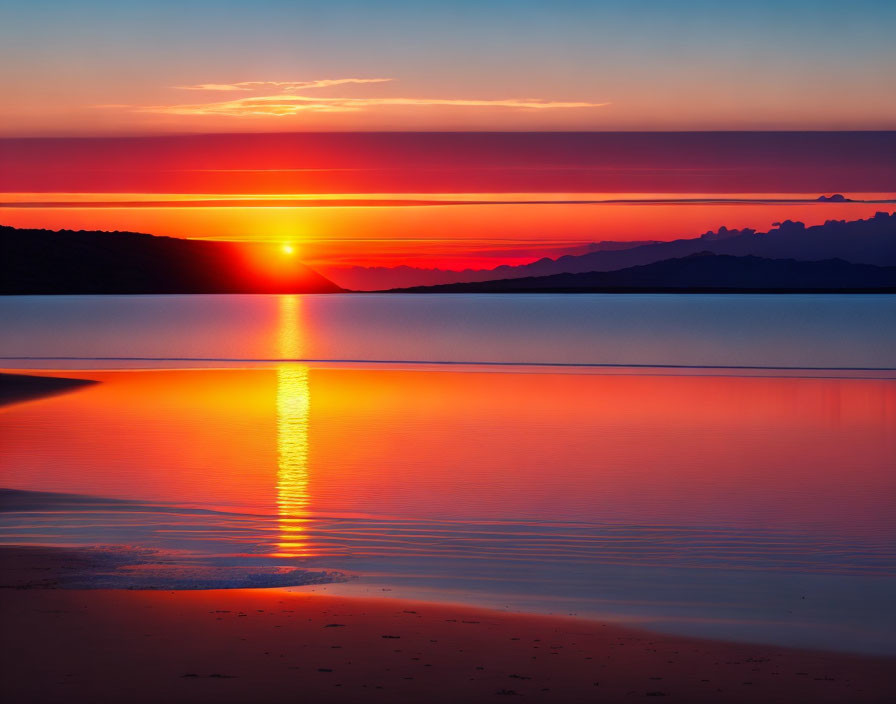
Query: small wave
(204, 549)
(127, 567)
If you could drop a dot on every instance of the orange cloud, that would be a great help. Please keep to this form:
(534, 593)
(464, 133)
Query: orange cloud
(290, 104)
(283, 98)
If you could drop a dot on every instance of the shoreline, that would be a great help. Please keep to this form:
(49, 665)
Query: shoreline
(17, 388)
(271, 646)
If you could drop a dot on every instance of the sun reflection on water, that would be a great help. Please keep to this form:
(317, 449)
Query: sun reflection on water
(293, 404)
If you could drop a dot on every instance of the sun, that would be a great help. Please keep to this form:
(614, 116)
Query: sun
(287, 249)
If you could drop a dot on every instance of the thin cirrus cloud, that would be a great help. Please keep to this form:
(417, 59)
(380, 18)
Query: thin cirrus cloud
(288, 99)
(288, 104)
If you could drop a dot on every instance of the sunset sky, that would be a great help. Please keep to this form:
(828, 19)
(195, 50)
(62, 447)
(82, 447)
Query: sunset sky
(96, 94)
(100, 67)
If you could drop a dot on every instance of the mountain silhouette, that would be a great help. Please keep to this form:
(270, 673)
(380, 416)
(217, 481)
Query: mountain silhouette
(372, 278)
(90, 261)
(870, 241)
(699, 273)
(46, 261)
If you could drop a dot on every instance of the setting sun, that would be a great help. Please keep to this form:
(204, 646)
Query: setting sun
(288, 249)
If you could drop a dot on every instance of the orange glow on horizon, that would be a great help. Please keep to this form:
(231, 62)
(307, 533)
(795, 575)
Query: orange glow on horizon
(479, 236)
(270, 264)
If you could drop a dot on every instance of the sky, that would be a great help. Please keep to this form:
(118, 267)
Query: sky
(443, 199)
(341, 126)
(99, 67)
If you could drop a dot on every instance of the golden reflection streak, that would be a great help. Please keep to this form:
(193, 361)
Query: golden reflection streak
(293, 405)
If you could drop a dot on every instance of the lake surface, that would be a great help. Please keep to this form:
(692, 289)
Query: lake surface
(710, 465)
(796, 331)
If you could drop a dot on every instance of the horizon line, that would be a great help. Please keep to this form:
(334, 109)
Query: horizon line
(241, 133)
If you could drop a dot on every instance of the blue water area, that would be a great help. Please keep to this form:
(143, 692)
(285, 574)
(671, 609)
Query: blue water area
(797, 331)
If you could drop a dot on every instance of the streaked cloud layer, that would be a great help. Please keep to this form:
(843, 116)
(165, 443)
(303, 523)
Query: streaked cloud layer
(287, 99)
(280, 104)
(459, 162)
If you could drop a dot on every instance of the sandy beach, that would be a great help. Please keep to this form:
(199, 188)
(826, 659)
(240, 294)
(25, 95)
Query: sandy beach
(277, 646)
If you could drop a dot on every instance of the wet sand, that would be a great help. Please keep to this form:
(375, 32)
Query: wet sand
(275, 646)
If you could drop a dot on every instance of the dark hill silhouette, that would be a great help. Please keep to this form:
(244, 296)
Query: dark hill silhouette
(699, 273)
(871, 241)
(88, 261)
(372, 278)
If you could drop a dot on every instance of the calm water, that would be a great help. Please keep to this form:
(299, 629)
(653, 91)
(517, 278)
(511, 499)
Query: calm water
(742, 487)
(788, 331)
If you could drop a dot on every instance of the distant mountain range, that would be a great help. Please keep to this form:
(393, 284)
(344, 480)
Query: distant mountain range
(372, 278)
(71, 262)
(837, 256)
(699, 273)
(871, 241)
